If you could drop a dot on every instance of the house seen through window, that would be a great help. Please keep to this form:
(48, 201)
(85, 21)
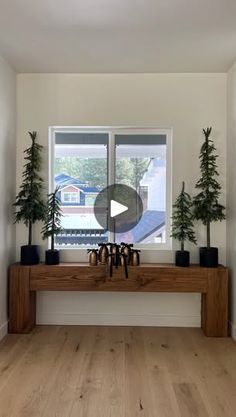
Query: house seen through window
(86, 160)
(70, 196)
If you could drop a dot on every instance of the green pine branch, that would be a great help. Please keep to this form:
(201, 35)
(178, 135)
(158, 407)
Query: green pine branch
(182, 219)
(206, 203)
(29, 204)
(52, 222)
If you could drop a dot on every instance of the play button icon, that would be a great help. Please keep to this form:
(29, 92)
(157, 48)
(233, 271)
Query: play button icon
(118, 208)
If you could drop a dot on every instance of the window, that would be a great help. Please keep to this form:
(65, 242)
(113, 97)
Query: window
(85, 160)
(70, 197)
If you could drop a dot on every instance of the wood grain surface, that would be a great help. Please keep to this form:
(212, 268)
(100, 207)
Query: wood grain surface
(80, 371)
(212, 283)
(22, 302)
(144, 278)
(215, 303)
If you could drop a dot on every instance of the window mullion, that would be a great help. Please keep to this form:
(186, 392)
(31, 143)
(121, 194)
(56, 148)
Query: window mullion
(111, 171)
(111, 159)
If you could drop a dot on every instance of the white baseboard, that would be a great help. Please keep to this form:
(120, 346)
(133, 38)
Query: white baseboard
(3, 330)
(119, 319)
(233, 330)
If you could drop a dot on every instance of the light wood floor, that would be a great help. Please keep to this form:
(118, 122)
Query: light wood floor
(117, 372)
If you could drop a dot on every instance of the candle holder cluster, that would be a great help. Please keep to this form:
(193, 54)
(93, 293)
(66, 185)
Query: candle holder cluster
(114, 255)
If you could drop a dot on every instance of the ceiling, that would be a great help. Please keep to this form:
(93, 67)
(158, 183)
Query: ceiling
(100, 36)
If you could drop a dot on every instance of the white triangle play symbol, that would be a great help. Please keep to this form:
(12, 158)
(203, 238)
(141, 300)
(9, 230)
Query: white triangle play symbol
(116, 208)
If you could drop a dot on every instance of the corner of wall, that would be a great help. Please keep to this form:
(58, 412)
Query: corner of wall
(231, 186)
(7, 189)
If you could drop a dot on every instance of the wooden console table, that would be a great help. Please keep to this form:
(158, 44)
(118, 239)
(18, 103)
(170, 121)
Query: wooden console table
(212, 283)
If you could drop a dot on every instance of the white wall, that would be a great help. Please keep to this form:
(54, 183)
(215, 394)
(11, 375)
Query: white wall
(231, 195)
(7, 183)
(186, 102)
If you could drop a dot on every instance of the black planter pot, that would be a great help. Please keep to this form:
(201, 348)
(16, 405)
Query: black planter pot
(208, 257)
(52, 257)
(182, 258)
(29, 255)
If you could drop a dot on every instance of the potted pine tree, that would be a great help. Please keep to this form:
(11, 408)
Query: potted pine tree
(29, 204)
(52, 227)
(182, 226)
(206, 203)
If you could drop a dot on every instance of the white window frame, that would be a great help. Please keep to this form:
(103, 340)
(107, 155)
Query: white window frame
(70, 193)
(112, 131)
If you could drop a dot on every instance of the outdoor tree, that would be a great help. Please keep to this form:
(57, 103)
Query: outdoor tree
(124, 171)
(29, 204)
(69, 165)
(52, 222)
(93, 171)
(206, 203)
(140, 166)
(182, 225)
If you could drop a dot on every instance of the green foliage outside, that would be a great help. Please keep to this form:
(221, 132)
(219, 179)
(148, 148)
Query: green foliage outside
(140, 166)
(52, 222)
(182, 219)
(29, 204)
(206, 203)
(91, 171)
(129, 171)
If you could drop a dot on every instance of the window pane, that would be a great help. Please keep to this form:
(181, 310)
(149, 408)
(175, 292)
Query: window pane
(80, 167)
(141, 164)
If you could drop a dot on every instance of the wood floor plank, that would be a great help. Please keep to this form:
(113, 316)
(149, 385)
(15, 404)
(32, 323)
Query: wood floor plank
(12, 350)
(189, 401)
(62, 387)
(161, 389)
(89, 371)
(31, 374)
(89, 400)
(137, 384)
(113, 383)
(214, 381)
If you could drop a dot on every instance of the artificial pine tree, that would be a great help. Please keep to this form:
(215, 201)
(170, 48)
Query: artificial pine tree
(206, 203)
(52, 226)
(29, 204)
(182, 225)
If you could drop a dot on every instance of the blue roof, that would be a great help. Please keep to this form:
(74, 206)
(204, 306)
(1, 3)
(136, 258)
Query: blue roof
(89, 189)
(64, 180)
(150, 222)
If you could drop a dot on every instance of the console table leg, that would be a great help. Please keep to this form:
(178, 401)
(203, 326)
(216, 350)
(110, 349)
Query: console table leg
(215, 304)
(22, 301)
